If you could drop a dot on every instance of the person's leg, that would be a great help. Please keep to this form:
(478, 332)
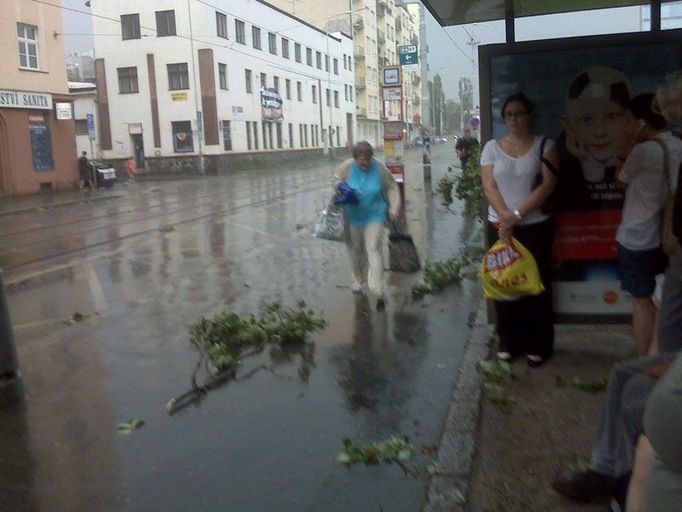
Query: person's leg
(670, 322)
(374, 235)
(355, 243)
(643, 322)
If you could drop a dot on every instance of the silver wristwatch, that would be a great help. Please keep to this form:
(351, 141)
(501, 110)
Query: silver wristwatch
(518, 215)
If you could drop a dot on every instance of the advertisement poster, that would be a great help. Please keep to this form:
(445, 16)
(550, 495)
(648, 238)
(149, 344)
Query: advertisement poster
(271, 103)
(581, 106)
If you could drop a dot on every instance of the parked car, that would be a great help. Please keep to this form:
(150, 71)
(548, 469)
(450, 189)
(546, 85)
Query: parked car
(104, 175)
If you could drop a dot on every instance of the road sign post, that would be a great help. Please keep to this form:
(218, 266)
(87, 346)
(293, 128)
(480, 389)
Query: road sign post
(409, 57)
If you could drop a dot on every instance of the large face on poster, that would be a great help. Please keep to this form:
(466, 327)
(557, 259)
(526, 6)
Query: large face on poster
(581, 95)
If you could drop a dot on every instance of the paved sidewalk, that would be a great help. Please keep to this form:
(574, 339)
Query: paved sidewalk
(11, 205)
(518, 455)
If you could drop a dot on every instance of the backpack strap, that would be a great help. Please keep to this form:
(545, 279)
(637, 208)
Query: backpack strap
(666, 162)
(547, 163)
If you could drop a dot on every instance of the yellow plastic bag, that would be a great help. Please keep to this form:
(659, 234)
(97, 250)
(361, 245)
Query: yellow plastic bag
(509, 271)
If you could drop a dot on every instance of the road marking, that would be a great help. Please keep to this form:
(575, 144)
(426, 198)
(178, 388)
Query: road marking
(95, 287)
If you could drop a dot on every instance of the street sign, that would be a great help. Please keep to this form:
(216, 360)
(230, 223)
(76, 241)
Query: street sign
(393, 93)
(91, 126)
(409, 57)
(475, 122)
(200, 121)
(392, 75)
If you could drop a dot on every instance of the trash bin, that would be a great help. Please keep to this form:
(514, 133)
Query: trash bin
(104, 175)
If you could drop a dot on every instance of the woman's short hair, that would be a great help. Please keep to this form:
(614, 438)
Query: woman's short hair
(641, 108)
(518, 98)
(363, 148)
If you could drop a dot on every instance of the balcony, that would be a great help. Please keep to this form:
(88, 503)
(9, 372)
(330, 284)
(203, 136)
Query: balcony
(360, 82)
(359, 52)
(361, 112)
(381, 8)
(359, 24)
(381, 37)
(398, 26)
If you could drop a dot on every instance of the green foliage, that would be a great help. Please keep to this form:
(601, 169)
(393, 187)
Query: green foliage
(129, 426)
(497, 376)
(77, 318)
(498, 396)
(395, 449)
(468, 186)
(438, 275)
(227, 336)
(444, 188)
(592, 387)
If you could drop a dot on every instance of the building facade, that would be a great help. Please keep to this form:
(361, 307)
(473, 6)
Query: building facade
(192, 82)
(37, 138)
(379, 28)
(84, 111)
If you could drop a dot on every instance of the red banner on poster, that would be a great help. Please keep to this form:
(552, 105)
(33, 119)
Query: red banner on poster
(586, 235)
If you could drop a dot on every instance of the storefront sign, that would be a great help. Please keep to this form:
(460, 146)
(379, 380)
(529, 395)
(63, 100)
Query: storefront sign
(23, 99)
(63, 111)
(237, 113)
(179, 96)
(271, 103)
(135, 128)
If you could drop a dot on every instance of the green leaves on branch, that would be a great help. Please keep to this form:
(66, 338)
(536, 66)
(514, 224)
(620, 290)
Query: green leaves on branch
(440, 274)
(592, 387)
(497, 376)
(130, 426)
(444, 188)
(373, 454)
(469, 188)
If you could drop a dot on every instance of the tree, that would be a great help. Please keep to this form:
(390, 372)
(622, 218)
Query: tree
(451, 118)
(438, 104)
(466, 98)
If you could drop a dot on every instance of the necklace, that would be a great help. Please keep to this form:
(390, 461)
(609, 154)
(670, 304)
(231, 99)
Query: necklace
(515, 145)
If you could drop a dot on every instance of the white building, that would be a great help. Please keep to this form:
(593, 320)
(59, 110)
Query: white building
(85, 105)
(169, 89)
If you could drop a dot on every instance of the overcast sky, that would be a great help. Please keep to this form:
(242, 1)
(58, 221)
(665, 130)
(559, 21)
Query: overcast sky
(444, 57)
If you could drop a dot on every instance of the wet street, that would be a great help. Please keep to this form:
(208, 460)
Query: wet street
(149, 263)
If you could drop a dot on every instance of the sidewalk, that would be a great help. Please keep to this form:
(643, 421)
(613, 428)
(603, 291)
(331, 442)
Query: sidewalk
(518, 454)
(11, 205)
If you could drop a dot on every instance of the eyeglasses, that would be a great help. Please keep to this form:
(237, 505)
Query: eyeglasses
(515, 115)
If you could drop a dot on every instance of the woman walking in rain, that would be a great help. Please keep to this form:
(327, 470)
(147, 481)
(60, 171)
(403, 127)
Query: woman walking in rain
(378, 202)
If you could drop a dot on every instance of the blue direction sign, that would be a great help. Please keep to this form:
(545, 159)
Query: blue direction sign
(91, 126)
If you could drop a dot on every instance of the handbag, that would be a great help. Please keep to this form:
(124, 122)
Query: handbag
(669, 241)
(402, 253)
(329, 225)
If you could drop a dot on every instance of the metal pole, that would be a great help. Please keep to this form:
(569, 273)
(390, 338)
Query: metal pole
(329, 61)
(10, 377)
(655, 15)
(200, 132)
(509, 26)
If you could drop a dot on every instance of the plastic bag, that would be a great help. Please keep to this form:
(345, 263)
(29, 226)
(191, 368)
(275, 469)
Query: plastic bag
(329, 225)
(509, 271)
(345, 194)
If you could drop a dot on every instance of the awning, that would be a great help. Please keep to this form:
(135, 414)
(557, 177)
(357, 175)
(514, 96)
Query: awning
(459, 12)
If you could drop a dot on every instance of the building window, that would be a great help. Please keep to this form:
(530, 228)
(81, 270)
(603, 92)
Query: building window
(272, 43)
(345, 66)
(27, 36)
(326, 63)
(336, 99)
(345, 92)
(318, 60)
(239, 32)
(350, 93)
(221, 24)
(165, 23)
(248, 135)
(265, 134)
(328, 97)
(255, 35)
(227, 136)
(127, 80)
(309, 56)
(82, 127)
(314, 89)
(297, 52)
(305, 132)
(41, 143)
(338, 136)
(130, 26)
(249, 85)
(182, 136)
(255, 134)
(285, 48)
(336, 66)
(222, 76)
(299, 91)
(291, 135)
(178, 77)
(263, 81)
(270, 135)
(287, 88)
(278, 127)
(275, 83)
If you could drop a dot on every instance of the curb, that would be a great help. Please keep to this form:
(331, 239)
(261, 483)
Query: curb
(47, 206)
(457, 444)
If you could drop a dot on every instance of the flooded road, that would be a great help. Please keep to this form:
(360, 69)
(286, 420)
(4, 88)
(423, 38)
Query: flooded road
(148, 264)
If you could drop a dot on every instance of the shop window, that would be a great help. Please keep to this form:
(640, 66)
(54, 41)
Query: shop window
(165, 23)
(182, 136)
(27, 36)
(130, 26)
(127, 80)
(41, 143)
(178, 76)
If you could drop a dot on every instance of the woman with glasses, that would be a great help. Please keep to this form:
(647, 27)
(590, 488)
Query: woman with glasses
(519, 174)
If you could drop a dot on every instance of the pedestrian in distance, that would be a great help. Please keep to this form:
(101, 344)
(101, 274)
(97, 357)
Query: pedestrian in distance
(647, 154)
(131, 169)
(464, 147)
(85, 172)
(378, 202)
(519, 174)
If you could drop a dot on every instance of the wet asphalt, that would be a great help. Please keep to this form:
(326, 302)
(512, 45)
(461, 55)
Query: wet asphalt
(148, 264)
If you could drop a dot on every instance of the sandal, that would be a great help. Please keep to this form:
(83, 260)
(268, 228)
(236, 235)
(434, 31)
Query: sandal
(504, 356)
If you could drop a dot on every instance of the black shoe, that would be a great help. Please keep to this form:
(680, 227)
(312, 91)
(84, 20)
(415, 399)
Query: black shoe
(381, 304)
(586, 487)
